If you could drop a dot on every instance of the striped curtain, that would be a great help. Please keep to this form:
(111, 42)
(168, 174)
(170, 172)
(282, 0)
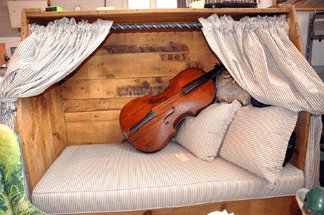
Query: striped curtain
(259, 55)
(45, 57)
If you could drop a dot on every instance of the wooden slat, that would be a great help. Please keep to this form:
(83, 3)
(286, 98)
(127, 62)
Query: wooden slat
(305, 4)
(95, 132)
(42, 131)
(302, 133)
(140, 65)
(110, 88)
(270, 206)
(309, 8)
(24, 25)
(86, 105)
(92, 116)
(294, 30)
(100, 67)
(16, 128)
(153, 15)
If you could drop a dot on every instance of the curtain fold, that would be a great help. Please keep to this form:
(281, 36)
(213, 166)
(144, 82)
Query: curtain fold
(45, 57)
(258, 54)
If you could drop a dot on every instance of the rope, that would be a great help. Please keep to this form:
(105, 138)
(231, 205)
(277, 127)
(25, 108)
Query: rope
(118, 27)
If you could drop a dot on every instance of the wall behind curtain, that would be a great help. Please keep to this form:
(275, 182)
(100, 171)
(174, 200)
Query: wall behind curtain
(5, 26)
(318, 47)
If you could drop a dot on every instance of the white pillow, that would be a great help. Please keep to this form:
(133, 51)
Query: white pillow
(203, 134)
(257, 140)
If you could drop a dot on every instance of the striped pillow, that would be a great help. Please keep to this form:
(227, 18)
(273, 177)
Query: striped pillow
(203, 135)
(257, 140)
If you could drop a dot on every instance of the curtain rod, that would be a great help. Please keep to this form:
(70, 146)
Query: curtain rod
(119, 27)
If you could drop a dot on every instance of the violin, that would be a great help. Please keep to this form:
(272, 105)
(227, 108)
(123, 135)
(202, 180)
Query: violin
(150, 122)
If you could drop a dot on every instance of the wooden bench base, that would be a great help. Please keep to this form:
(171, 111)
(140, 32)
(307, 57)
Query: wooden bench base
(271, 206)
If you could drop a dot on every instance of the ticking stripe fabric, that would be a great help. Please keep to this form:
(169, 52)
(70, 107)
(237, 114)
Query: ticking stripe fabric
(257, 140)
(45, 57)
(259, 55)
(204, 134)
(116, 177)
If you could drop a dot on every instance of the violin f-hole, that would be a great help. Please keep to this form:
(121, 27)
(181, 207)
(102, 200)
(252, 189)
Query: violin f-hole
(165, 122)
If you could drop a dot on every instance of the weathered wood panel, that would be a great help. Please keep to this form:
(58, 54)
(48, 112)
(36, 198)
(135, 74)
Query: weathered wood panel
(154, 15)
(93, 132)
(113, 88)
(270, 206)
(125, 55)
(294, 30)
(303, 123)
(129, 65)
(126, 66)
(86, 105)
(42, 131)
(92, 116)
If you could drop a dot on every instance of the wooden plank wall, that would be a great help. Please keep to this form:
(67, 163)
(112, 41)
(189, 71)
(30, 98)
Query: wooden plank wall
(42, 132)
(125, 66)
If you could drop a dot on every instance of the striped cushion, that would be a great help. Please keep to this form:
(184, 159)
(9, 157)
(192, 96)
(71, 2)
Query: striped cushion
(257, 140)
(203, 135)
(116, 177)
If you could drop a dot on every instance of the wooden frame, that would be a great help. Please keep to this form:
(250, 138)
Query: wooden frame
(47, 123)
(298, 8)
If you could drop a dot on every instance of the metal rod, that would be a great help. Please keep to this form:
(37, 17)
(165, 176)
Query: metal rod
(119, 27)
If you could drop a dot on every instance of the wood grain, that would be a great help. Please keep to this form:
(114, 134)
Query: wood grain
(24, 25)
(153, 15)
(95, 127)
(86, 105)
(42, 131)
(140, 65)
(269, 206)
(302, 133)
(132, 55)
(126, 66)
(92, 116)
(109, 88)
(294, 31)
(93, 132)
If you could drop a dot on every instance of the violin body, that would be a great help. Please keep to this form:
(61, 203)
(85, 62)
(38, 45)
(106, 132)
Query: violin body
(150, 122)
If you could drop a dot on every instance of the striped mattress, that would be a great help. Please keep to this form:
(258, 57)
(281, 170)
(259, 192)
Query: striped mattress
(116, 177)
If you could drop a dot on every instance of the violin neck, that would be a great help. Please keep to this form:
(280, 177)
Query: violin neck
(199, 81)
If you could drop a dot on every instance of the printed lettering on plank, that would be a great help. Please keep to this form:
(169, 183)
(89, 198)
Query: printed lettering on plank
(153, 48)
(167, 52)
(140, 90)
